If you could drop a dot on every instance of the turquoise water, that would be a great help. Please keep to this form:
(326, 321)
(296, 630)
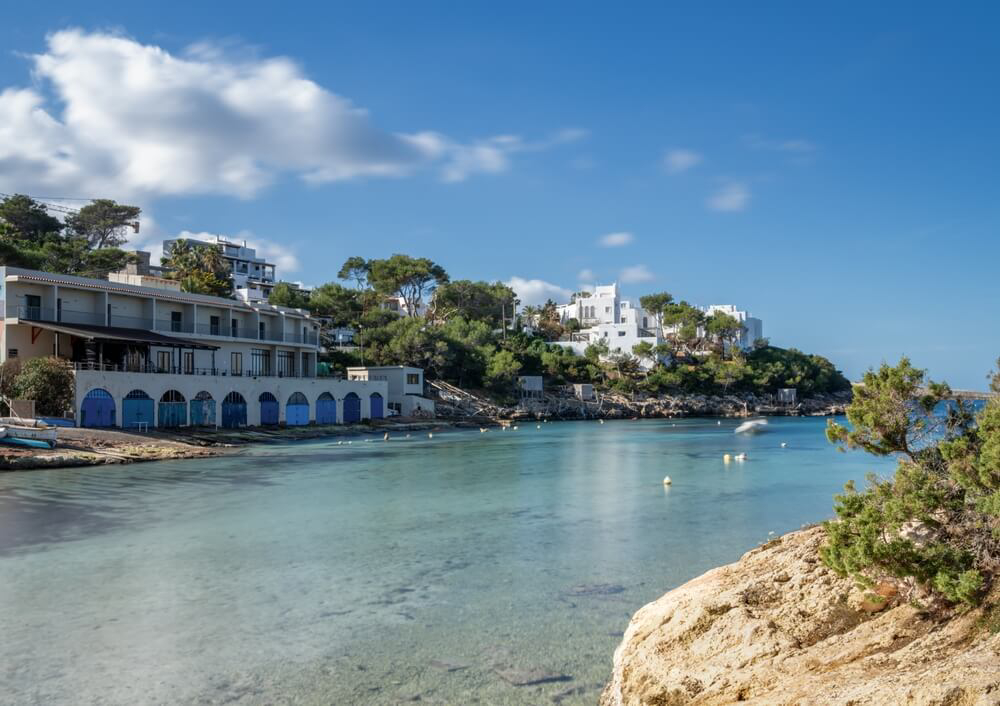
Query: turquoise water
(382, 572)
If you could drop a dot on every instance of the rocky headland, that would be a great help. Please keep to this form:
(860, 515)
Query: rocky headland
(778, 627)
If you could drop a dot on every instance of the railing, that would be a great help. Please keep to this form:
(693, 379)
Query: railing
(69, 316)
(150, 368)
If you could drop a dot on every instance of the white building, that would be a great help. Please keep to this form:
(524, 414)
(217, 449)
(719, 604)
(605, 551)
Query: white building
(253, 277)
(753, 328)
(608, 318)
(405, 388)
(157, 356)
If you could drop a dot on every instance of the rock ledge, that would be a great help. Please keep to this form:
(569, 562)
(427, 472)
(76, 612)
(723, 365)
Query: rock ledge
(777, 627)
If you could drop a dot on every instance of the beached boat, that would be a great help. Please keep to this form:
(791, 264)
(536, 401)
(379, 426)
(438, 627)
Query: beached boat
(27, 434)
(754, 426)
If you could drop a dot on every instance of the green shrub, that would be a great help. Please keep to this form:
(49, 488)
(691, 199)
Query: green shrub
(937, 521)
(47, 381)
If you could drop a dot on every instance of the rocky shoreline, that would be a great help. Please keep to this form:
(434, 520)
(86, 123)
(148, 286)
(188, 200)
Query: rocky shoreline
(777, 627)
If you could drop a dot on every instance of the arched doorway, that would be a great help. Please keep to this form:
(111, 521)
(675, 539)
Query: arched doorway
(172, 410)
(234, 411)
(268, 408)
(352, 408)
(98, 409)
(203, 410)
(376, 405)
(326, 409)
(137, 410)
(297, 410)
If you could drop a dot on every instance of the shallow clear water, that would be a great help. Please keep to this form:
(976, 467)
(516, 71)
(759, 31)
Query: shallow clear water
(381, 572)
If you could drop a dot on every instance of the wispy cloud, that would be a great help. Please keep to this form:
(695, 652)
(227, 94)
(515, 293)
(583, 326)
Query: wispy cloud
(586, 276)
(636, 274)
(677, 161)
(537, 291)
(492, 155)
(795, 145)
(616, 240)
(734, 196)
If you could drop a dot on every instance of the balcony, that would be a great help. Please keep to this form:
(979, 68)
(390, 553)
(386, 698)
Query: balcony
(152, 369)
(221, 330)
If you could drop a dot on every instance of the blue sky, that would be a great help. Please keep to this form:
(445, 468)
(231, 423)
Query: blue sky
(831, 170)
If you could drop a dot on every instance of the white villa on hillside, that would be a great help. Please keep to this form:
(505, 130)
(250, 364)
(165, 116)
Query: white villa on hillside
(156, 356)
(604, 316)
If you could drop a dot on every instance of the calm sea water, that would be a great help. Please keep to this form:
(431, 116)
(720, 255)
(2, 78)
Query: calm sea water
(379, 572)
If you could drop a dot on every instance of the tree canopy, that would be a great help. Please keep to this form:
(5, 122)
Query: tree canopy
(103, 223)
(199, 267)
(410, 278)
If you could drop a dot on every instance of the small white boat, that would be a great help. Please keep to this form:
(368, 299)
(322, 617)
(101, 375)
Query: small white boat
(33, 435)
(754, 426)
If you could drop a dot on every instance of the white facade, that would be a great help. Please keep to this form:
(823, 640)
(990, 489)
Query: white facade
(753, 328)
(133, 338)
(405, 387)
(608, 318)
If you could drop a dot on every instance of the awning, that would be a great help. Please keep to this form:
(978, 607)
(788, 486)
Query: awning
(121, 335)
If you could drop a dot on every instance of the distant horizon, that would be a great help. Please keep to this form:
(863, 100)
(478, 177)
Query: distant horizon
(833, 177)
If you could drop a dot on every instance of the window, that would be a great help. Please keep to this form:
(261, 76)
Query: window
(33, 306)
(261, 331)
(176, 318)
(235, 327)
(286, 364)
(213, 325)
(11, 352)
(188, 362)
(163, 360)
(645, 322)
(260, 362)
(236, 363)
(59, 311)
(607, 310)
(621, 333)
(412, 378)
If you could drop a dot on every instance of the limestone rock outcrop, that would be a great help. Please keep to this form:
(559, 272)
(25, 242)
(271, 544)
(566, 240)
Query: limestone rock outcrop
(777, 627)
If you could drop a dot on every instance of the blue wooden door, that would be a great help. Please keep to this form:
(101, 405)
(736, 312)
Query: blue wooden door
(377, 411)
(234, 414)
(137, 412)
(172, 414)
(98, 409)
(352, 409)
(203, 413)
(269, 411)
(326, 410)
(297, 415)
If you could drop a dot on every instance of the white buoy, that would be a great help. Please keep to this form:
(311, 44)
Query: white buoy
(727, 458)
(339, 443)
(783, 444)
(430, 435)
(407, 436)
(719, 422)
(386, 437)
(601, 421)
(666, 480)
(538, 426)
(482, 430)
(350, 442)
(741, 457)
(515, 428)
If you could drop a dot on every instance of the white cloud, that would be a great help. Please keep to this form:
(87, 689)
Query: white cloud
(635, 274)
(616, 240)
(586, 275)
(677, 161)
(113, 117)
(537, 291)
(731, 197)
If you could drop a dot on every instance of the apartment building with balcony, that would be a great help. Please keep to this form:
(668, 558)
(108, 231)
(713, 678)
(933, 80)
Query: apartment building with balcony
(155, 356)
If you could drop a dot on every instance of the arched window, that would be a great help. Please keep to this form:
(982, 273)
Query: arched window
(267, 397)
(234, 398)
(298, 398)
(203, 396)
(172, 396)
(137, 395)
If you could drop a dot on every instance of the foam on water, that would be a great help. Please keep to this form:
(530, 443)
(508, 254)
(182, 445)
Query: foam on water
(450, 568)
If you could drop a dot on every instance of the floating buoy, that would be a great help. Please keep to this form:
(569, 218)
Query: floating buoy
(430, 435)
(386, 437)
(666, 480)
(601, 421)
(538, 426)
(339, 443)
(407, 436)
(482, 430)
(515, 428)
(783, 444)
(741, 457)
(719, 422)
(727, 458)
(350, 442)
